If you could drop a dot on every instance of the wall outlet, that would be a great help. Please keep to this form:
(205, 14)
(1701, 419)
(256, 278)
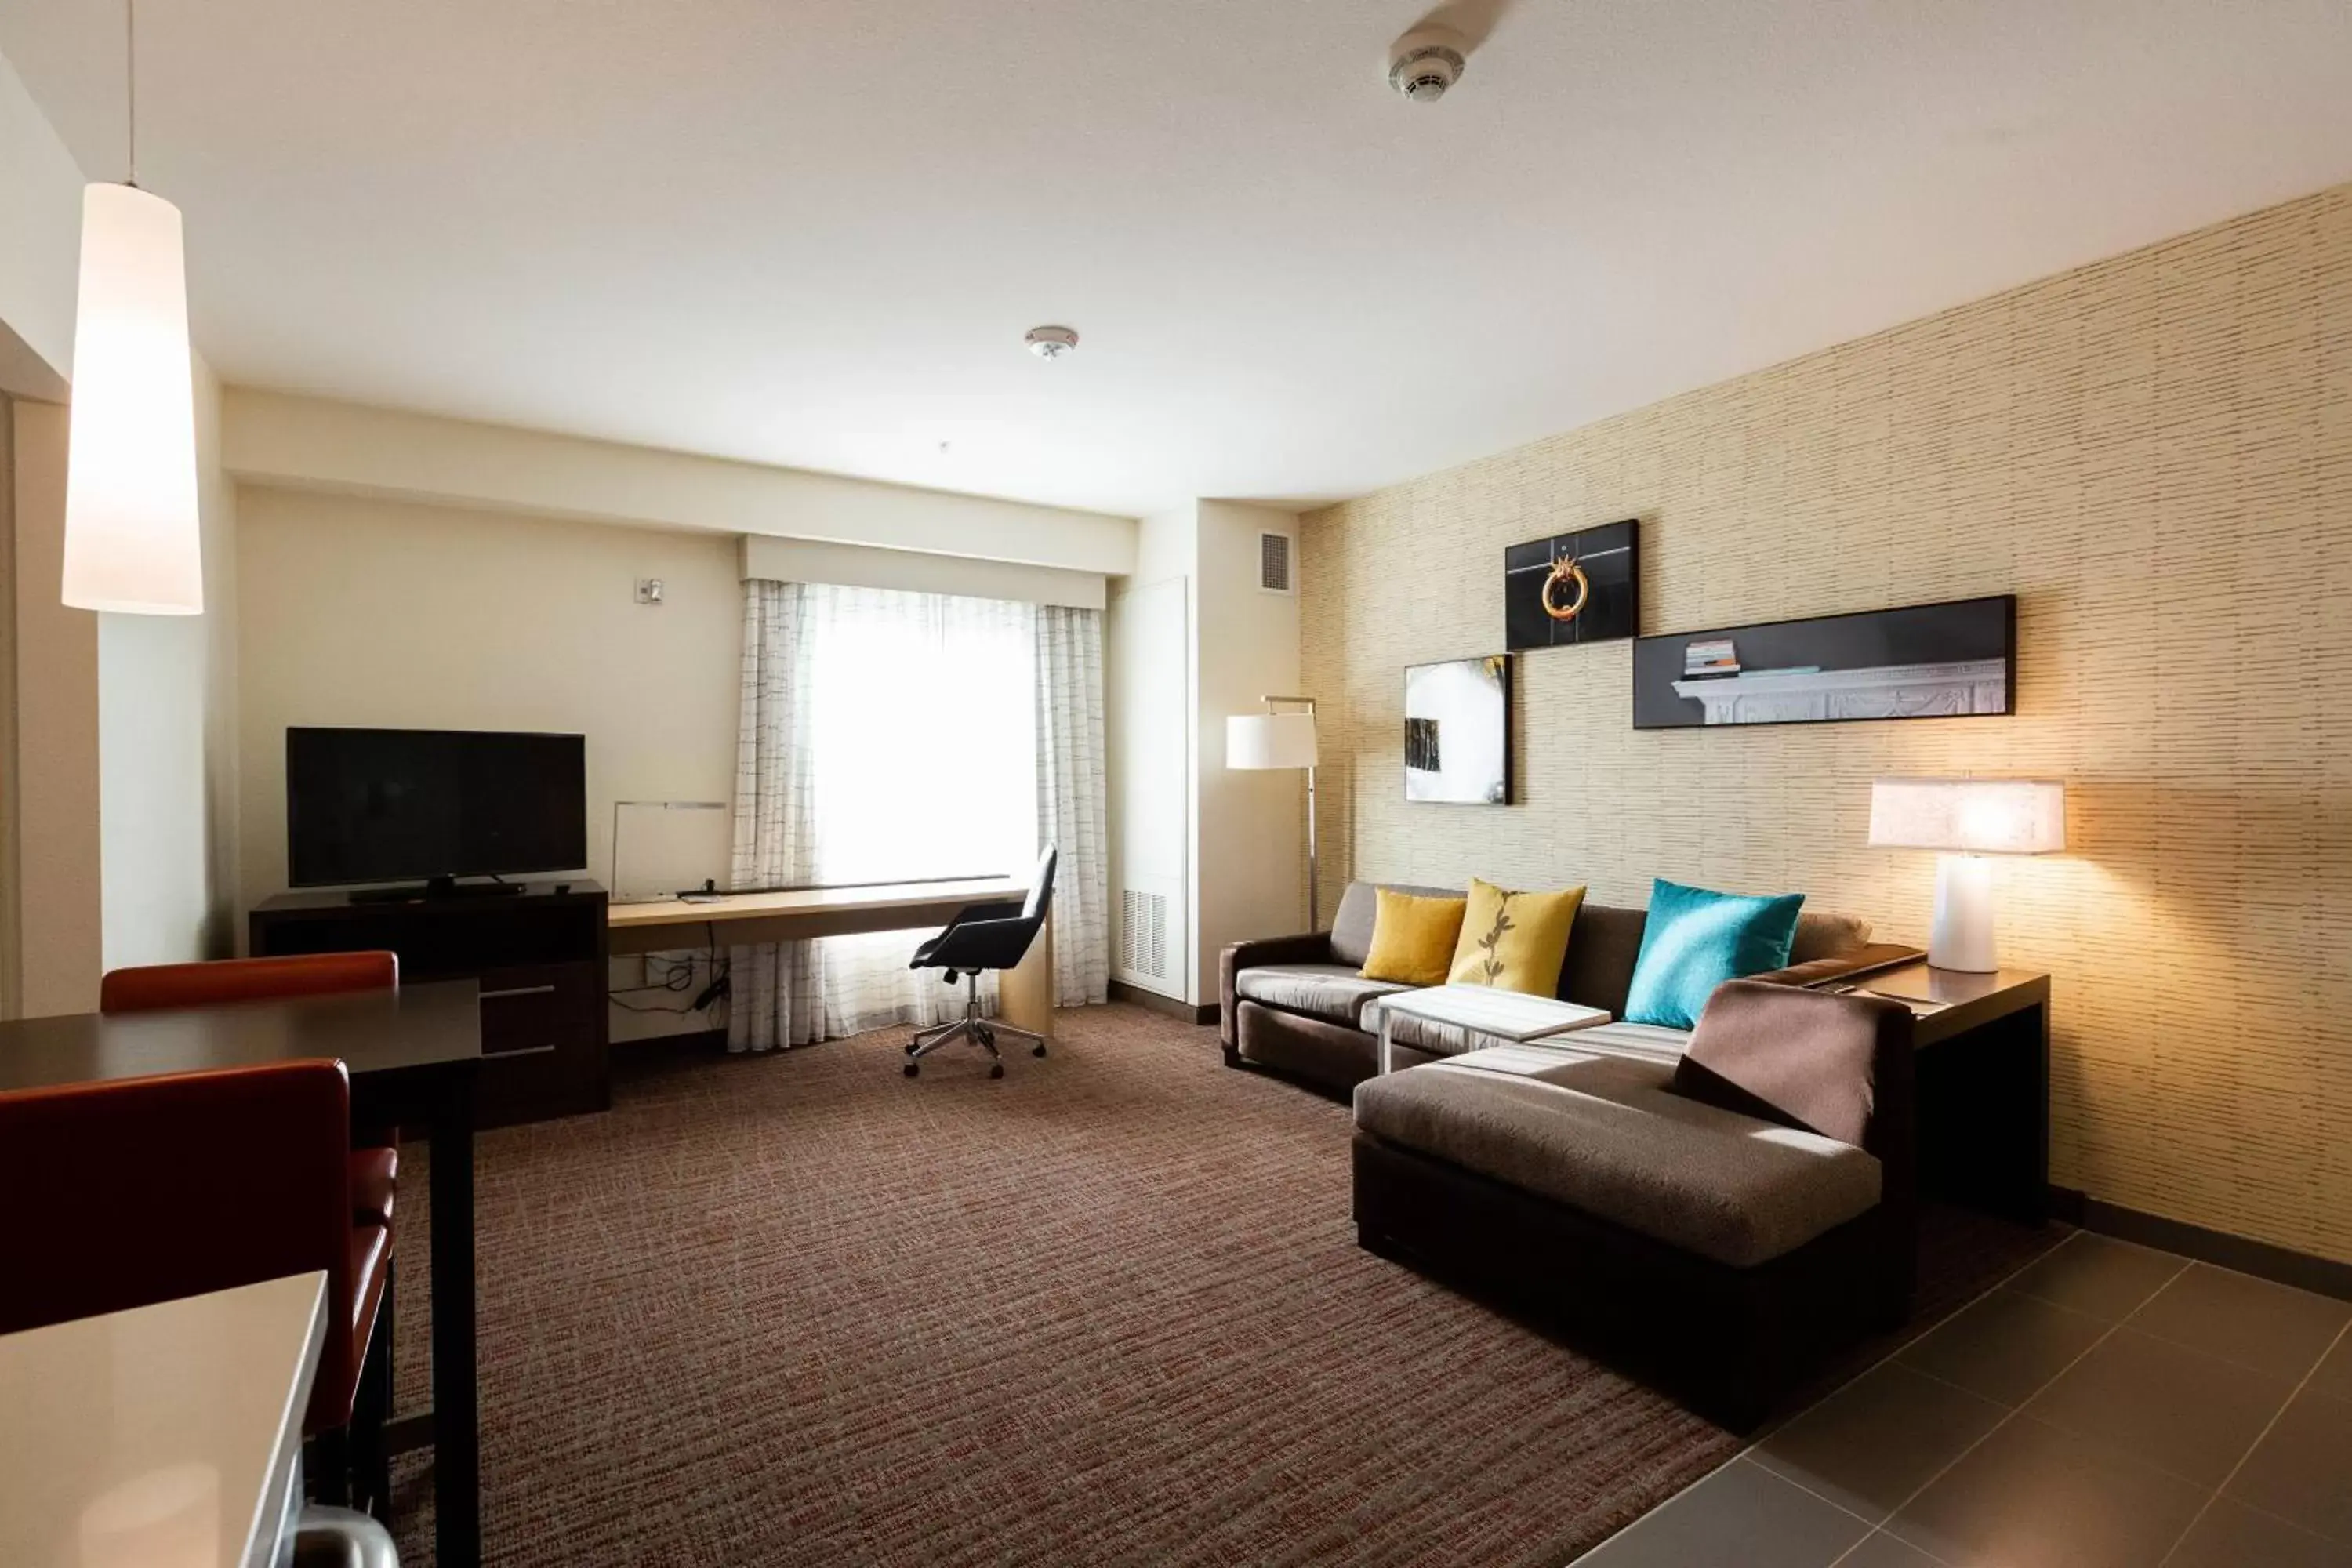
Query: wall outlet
(649, 590)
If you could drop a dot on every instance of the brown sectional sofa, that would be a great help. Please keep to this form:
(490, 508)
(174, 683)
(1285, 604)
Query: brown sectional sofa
(1715, 1208)
(1296, 1004)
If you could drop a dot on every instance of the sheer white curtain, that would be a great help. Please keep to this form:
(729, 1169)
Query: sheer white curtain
(1072, 798)
(884, 736)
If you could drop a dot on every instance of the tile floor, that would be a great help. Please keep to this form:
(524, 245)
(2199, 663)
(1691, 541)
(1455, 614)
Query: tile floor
(2109, 1407)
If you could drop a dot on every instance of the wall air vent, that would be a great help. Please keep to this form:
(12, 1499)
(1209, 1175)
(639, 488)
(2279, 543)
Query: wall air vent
(1143, 934)
(1273, 563)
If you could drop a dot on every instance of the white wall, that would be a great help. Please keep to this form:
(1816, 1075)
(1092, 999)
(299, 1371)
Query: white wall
(60, 934)
(1148, 736)
(40, 238)
(1234, 838)
(918, 571)
(167, 749)
(11, 953)
(370, 613)
(292, 442)
(373, 612)
(1249, 863)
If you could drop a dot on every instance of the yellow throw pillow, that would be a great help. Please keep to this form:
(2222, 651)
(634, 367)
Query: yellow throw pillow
(1514, 942)
(1413, 938)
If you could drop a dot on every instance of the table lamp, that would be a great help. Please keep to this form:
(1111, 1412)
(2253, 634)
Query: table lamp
(1968, 819)
(1272, 740)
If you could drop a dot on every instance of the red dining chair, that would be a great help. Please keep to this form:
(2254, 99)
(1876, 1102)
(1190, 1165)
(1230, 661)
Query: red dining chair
(254, 1165)
(375, 1158)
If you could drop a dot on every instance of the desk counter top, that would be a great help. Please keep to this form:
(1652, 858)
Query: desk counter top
(166, 1433)
(425, 1024)
(815, 901)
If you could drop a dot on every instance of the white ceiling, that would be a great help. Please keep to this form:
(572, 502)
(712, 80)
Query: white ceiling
(813, 234)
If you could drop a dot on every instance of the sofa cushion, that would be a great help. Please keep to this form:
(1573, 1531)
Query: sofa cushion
(1696, 939)
(1823, 935)
(1413, 937)
(1351, 926)
(1648, 1041)
(1606, 1135)
(1803, 1058)
(1331, 992)
(1513, 940)
(1601, 947)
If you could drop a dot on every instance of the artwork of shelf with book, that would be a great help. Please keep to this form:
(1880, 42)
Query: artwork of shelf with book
(1924, 661)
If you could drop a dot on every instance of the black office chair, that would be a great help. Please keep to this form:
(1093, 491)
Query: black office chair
(983, 936)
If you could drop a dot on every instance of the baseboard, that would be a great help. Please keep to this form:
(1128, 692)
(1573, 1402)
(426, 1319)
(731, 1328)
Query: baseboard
(2304, 1271)
(685, 1043)
(1173, 1008)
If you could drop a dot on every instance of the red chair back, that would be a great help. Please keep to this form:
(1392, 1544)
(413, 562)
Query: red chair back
(157, 985)
(120, 1195)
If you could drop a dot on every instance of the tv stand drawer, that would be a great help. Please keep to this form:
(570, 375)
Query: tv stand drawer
(538, 957)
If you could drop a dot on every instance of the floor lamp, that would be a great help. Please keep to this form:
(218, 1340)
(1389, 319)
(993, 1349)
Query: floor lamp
(1271, 740)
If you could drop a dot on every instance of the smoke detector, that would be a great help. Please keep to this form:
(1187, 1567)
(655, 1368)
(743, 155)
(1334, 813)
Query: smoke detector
(1050, 342)
(1425, 62)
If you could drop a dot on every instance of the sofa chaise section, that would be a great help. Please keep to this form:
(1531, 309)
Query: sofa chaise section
(1713, 1225)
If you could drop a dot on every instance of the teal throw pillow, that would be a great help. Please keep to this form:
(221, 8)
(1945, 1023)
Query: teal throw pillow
(1695, 939)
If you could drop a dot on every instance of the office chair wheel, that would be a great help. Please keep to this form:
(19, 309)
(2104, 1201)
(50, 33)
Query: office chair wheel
(996, 1069)
(914, 1069)
(1038, 1049)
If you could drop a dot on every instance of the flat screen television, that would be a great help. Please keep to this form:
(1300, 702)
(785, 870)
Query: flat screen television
(383, 805)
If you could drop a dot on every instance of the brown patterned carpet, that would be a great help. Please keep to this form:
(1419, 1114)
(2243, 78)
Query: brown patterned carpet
(798, 1309)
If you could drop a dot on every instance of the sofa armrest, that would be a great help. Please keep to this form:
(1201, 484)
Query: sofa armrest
(1860, 960)
(1309, 947)
(1841, 1066)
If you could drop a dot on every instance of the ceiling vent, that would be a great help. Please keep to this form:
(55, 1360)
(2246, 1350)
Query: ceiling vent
(1274, 574)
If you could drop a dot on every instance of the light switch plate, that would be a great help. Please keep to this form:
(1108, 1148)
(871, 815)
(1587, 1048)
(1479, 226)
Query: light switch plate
(649, 590)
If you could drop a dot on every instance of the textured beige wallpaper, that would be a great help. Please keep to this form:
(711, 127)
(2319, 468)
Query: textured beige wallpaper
(2154, 454)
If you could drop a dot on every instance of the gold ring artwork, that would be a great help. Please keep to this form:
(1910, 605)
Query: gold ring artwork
(1564, 571)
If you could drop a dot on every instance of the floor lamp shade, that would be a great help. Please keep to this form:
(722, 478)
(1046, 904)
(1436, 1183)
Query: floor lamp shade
(1967, 819)
(1261, 741)
(132, 541)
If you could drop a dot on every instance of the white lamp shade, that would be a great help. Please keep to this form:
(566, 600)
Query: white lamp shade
(132, 541)
(1976, 816)
(1270, 741)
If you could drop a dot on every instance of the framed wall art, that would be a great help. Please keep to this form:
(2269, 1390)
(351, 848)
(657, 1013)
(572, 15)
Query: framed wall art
(1457, 731)
(1579, 587)
(1925, 661)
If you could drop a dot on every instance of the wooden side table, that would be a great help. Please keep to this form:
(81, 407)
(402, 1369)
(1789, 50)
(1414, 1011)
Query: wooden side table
(1983, 1043)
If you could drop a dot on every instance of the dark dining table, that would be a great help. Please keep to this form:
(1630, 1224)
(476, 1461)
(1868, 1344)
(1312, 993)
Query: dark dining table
(412, 1056)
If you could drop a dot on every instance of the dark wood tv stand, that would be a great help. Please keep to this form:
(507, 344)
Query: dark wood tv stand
(538, 956)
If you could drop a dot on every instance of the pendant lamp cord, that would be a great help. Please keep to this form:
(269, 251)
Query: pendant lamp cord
(131, 84)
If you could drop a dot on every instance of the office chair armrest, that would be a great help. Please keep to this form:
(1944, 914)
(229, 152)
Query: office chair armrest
(1007, 908)
(979, 944)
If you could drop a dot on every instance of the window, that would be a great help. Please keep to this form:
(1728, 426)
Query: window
(922, 735)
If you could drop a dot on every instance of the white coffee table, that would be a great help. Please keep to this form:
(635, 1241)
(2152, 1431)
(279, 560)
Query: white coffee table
(1509, 1016)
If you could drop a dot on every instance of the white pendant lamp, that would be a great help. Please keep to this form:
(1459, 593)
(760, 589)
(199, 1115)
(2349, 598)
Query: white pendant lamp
(132, 541)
